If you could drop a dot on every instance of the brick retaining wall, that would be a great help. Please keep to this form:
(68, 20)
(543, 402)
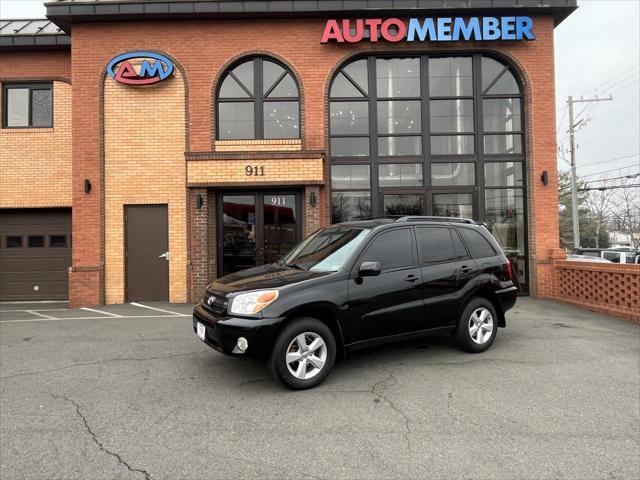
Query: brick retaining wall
(612, 289)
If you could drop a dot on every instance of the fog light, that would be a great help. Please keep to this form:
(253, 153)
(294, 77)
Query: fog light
(242, 344)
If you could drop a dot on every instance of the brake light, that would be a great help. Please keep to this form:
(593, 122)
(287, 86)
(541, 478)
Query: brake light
(509, 270)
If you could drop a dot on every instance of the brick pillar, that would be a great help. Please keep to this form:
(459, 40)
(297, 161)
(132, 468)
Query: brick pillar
(310, 215)
(199, 245)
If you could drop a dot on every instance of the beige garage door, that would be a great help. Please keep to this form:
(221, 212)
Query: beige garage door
(35, 253)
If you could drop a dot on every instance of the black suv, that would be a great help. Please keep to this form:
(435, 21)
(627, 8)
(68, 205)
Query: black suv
(358, 284)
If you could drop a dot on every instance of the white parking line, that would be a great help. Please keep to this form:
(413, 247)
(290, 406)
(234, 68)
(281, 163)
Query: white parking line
(52, 319)
(100, 311)
(38, 310)
(37, 314)
(154, 308)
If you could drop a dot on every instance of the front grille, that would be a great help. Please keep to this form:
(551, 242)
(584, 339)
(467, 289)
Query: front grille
(219, 305)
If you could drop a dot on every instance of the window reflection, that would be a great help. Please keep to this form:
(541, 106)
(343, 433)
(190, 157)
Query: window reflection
(346, 206)
(403, 204)
(400, 175)
(448, 174)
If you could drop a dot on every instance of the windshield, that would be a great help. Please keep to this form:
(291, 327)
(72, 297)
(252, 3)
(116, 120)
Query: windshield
(326, 250)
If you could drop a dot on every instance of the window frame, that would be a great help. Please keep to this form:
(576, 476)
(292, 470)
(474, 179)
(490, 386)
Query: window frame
(31, 86)
(478, 157)
(258, 98)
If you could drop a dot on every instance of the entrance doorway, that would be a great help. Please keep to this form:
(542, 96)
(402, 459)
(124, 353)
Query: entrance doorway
(147, 252)
(255, 228)
(459, 203)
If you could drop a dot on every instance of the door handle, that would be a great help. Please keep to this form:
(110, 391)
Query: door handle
(465, 268)
(411, 278)
(165, 255)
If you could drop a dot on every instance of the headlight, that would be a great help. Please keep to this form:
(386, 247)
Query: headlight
(254, 302)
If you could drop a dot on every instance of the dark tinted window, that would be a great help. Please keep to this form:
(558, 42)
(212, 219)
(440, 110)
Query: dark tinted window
(435, 244)
(14, 241)
(458, 247)
(392, 249)
(57, 241)
(477, 244)
(36, 241)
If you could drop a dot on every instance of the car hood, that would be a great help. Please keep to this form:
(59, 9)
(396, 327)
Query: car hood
(274, 275)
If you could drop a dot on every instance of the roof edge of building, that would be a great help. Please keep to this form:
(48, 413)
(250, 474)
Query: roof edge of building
(66, 12)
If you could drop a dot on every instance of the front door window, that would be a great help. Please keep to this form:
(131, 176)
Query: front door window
(257, 228)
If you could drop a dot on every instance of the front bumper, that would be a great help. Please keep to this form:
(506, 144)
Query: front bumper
(222, 334)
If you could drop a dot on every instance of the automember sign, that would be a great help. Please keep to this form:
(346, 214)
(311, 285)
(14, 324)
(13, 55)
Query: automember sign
(442, 29)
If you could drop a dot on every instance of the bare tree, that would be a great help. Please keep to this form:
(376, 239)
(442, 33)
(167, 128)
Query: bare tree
(625, 208)
(598, 204)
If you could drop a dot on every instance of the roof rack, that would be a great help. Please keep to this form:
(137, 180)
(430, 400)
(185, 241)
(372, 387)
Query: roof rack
(424, 218)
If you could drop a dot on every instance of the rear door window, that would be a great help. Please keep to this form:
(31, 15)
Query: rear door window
(477, 244)
(435, 245)
(393, 249)
(458, 247)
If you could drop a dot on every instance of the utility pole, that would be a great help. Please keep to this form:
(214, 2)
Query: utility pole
(572, 139)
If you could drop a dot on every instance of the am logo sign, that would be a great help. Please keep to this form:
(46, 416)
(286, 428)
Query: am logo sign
(154, 68)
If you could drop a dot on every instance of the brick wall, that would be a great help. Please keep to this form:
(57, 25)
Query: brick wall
(144, 143)
(297, 44)
(612, 289)
(35, 163)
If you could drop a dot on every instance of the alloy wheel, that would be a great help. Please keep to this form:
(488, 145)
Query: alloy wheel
(306, 355)
(480, 325)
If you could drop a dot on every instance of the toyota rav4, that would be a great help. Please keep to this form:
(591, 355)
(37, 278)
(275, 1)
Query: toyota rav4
(360, 284)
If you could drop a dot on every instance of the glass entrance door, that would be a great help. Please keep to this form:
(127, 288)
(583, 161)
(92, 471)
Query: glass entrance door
(256, 228)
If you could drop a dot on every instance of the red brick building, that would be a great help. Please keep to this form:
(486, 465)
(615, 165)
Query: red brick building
(148, 147)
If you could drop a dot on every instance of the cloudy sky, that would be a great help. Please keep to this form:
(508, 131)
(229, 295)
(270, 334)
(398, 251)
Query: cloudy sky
(597, 53)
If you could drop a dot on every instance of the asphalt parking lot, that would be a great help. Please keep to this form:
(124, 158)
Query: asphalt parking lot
(129, 392)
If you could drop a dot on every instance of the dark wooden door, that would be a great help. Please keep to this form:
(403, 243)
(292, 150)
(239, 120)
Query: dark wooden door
(147, 252)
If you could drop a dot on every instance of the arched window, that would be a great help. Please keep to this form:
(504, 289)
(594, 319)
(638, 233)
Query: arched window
(430, 135)
(258, 99)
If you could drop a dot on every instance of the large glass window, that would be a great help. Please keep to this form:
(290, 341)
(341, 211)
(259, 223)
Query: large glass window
(430, 135)
(28, 105)
(258, 99)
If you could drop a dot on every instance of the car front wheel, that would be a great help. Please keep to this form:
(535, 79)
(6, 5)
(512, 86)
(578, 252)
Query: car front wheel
(477, 327)
(304, 354)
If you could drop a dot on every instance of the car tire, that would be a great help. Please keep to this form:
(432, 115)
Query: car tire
(477, 327)
(303, 354)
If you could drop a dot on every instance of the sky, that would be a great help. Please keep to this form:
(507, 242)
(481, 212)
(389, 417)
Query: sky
(597, 52)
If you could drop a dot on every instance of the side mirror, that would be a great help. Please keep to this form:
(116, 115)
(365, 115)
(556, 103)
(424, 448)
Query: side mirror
(369, 269)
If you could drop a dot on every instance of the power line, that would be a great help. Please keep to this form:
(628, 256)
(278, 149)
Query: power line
(606, 171)
(615, 77)
(633, 175)
(635, 82)
(610, 159)
(617, 187)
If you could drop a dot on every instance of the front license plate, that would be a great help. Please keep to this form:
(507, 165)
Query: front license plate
(200, 330)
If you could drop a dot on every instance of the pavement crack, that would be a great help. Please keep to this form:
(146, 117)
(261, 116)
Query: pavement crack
(100, 445)
(98, 362)
(377, 390)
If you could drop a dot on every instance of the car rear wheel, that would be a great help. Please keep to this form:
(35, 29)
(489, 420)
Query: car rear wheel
(477, 327)
(304, 354)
